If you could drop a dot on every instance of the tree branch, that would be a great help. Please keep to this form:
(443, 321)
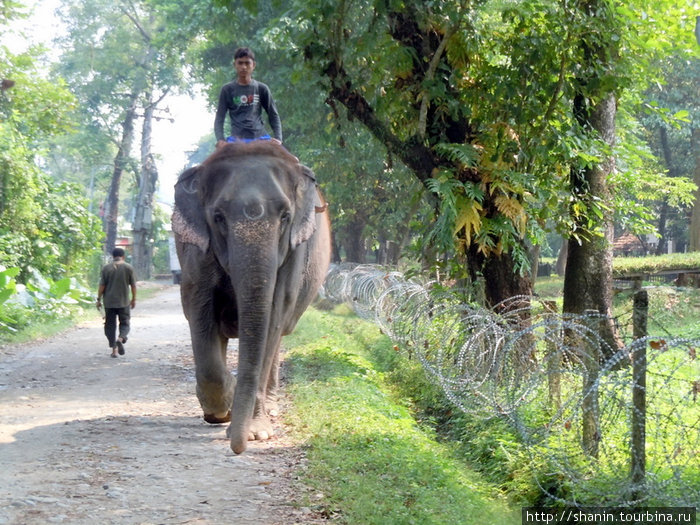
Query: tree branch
(137, 23)
(434, 62)
(412, 151)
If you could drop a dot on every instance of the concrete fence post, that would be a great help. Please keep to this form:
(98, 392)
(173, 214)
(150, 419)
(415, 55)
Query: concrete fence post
(554, 360)
(590, 358)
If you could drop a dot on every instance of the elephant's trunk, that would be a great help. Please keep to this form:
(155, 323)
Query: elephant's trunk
(253, 272)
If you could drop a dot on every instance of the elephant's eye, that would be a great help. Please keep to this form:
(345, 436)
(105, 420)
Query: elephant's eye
(219, 218)
(285, 217)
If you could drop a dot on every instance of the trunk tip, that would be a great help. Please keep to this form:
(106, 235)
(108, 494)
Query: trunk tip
(238, 447)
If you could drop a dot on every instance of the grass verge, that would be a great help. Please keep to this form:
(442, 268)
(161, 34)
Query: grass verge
(366, 453)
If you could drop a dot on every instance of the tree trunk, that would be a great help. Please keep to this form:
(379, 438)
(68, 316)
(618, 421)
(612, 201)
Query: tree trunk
(694, 240)
(382, 250)
(663, 213)
(143, 216)
(120, 161)
(335, 250)
(694, 234)
(588, 275)
(501, 278)
(355, 241)
(403, 233)
(534, 263)
(561, 258)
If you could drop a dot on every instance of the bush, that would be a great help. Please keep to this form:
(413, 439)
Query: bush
(40, 301)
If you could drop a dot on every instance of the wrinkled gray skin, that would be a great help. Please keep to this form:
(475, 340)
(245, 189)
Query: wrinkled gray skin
(253, 241)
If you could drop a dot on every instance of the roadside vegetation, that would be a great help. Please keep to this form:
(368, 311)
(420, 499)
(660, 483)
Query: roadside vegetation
(338, 362)
(40, 307)
(371, 450)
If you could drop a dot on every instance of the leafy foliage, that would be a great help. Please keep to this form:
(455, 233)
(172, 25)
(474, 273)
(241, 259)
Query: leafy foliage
(40, 301)
(482, 94)
(43, 225)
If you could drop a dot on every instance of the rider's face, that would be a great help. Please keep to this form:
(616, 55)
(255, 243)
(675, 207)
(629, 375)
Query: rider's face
(244, 68)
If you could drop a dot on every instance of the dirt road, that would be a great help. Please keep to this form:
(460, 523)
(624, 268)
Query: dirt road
(88, 439)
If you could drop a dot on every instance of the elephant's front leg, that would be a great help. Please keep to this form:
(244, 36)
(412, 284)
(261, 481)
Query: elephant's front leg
(215, 385)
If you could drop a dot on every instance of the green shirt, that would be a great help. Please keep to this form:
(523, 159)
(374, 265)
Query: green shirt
(117, 278)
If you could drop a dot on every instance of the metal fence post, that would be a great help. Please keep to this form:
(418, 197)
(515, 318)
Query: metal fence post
(639, 392)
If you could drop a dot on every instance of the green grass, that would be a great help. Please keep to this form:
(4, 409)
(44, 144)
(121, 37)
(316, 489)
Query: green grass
(649, 264)
(366, 453)
(551, 287)
(673, 312)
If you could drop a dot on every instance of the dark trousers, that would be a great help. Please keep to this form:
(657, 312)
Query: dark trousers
(111, 316)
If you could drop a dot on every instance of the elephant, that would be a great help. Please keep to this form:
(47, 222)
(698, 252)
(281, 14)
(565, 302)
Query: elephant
(252, 235)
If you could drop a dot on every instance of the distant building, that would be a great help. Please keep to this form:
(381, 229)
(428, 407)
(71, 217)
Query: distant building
(630, 245)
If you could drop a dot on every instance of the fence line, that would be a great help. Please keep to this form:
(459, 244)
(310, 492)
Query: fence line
(539, 371)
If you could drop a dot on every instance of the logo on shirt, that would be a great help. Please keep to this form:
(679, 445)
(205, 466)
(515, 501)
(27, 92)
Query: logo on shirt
(246, 100)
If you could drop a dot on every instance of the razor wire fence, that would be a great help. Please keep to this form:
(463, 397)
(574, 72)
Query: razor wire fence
(619, 430)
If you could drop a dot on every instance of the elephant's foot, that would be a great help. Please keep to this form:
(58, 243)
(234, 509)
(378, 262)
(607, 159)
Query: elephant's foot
(217, 419)
(260, 429)
(272, 406)
(215, 399)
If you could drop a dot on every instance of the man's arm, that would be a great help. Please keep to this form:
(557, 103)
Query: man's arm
(220, 116)
(273, 117)
(133, 295)
(100, 293)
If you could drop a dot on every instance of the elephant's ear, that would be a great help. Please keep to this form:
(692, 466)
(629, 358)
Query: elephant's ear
(307, 199)
(188, 220)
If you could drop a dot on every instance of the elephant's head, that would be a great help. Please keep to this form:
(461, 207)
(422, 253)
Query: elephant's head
(256, 207)
(258, 203)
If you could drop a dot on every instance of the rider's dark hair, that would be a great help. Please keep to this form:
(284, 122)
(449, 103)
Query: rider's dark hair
(244, 52)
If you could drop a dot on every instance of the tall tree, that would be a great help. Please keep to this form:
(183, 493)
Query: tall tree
(121, 161)
(124, 58)
(588, 277)
(413, 99)
(98, 63)
(695, 145)
(143, 212)
(477, 100)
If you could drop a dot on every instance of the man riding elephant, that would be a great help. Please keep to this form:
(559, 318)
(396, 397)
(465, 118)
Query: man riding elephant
(244, 99)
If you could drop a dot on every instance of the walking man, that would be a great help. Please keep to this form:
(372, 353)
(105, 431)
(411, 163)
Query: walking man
(116, 279)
